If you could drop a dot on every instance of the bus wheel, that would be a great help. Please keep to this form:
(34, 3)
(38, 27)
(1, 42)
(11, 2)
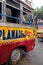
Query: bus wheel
(16, 56)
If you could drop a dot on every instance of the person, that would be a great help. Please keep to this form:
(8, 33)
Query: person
(9, 13)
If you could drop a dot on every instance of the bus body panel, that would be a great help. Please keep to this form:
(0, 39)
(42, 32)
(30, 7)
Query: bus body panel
(7, 49)
(12, 37)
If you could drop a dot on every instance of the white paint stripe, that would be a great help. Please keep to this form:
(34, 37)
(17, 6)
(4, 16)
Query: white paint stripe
(15, 25)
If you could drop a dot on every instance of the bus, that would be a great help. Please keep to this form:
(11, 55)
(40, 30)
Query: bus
(16, 36)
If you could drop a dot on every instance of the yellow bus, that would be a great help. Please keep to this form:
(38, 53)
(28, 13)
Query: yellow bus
(16, 34)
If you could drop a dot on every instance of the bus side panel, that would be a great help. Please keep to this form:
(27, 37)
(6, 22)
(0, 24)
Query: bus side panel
(5, 50)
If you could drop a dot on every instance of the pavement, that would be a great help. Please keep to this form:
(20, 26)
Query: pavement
(34, 57)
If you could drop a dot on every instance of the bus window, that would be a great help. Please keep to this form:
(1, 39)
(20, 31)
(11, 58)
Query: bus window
(28, 20)
(13, 13)
(0, 11)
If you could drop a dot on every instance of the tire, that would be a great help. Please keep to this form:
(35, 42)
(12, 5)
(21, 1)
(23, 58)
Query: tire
(15, 56)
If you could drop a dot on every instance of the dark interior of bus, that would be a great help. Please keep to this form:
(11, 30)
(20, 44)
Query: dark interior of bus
(14, 13)
(0, 10)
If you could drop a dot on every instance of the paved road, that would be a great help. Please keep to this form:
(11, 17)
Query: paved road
(34, 57)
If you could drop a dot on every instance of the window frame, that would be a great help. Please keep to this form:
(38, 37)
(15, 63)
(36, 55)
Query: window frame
(1, 11)
(1, 20)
